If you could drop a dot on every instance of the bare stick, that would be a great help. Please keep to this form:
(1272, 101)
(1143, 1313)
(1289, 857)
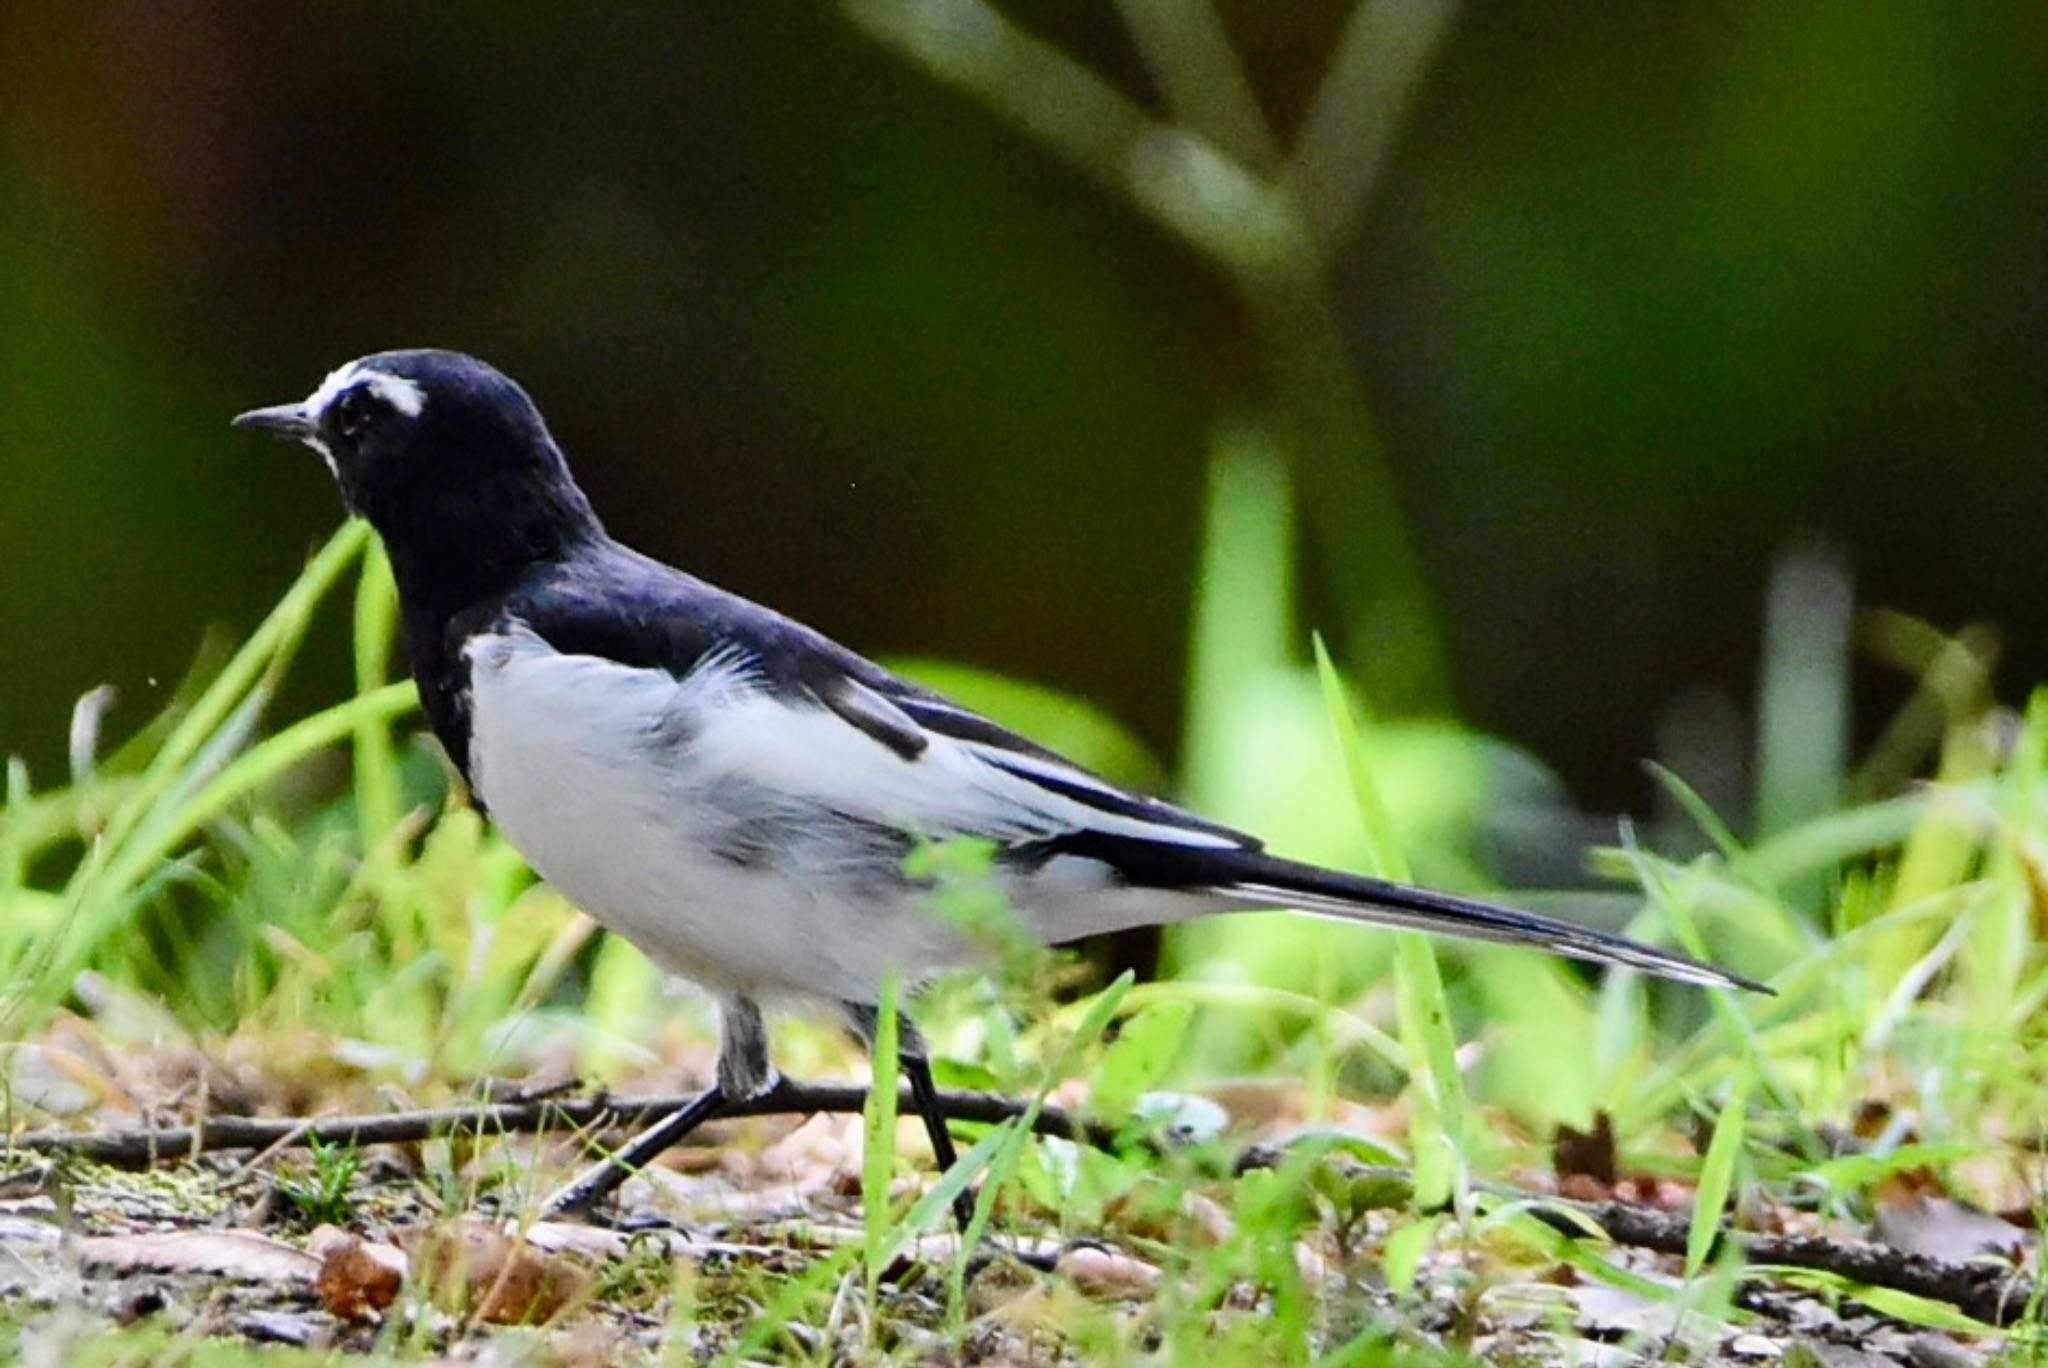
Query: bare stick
(1995, 1293)
(144, 1146)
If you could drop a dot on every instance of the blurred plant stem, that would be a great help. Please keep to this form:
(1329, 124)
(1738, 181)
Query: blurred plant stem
(1269, 220)
(1242, 622)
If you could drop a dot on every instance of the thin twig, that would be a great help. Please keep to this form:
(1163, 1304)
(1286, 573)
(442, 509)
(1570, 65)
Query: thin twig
(1189, 54)
(1361, 104)
(1994, 1293)
(143, 1146)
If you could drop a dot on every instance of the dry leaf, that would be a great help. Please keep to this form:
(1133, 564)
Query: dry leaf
(558, 1237)
(239, 1254)
(476, 1268)
(1105, 1273)
(1586, 1154)
(358, 1279)
(1262, 1103)
(1943, 1228)
(1613, 1312)
(1207, 1215)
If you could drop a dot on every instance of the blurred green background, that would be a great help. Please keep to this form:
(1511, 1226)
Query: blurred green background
(1642, 296)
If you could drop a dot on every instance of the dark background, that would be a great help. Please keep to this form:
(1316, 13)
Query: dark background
(1645, 295)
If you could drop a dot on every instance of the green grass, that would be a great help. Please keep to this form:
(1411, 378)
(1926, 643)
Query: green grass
(312, 900)
(306, 908)
(321, 1192)
(218, 875)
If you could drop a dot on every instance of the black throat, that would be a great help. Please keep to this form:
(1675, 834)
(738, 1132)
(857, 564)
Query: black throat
(459, 560)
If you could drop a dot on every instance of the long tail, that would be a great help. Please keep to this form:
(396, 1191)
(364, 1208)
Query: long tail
(1269, 880)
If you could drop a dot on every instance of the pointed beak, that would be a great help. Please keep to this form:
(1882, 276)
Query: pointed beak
(290, 421)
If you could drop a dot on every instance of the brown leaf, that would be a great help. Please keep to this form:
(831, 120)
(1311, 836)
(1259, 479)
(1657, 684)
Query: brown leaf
(1106, 1273)
(1871, 1118)
(358, 1279)
(476, 1268)
(1582, 1187)
(1262, 1103)
(1587, 1153)
(1942, 1228)
(239, 1254)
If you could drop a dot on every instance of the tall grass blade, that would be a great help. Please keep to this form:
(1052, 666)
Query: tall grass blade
(378, 795)
(878, 1140)
(1006, 1144)
(1717, 1172)
(258, 659)
(189, 779)
(1437, 1130)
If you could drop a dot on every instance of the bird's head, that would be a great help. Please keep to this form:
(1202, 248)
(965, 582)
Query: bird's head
(435, 445)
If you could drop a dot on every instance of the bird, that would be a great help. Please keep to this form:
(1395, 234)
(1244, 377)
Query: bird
(738, 794)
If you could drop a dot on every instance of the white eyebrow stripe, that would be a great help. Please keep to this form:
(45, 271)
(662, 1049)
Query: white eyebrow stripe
(399, 392)
(330, 389)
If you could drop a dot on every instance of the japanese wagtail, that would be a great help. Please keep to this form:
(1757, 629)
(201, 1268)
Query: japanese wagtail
(737, 794)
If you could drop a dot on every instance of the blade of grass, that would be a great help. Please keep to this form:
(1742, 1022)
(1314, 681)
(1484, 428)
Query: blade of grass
(1437, 1130)
(1717, 1173)
(1006, 1143)
(139, 831)
(1902, 1306)
(1517, 1218)
(376, 762)
(1136, 1060)
(878, 1138)
(1999, 941)
(273, 638)
(775, 1317)
(257, 766)
(1404, 1251)
(1730, 1006)
(1698, 809)
(114, 890)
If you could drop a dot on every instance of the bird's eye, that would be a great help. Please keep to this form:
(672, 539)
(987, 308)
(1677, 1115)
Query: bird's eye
(352, 412)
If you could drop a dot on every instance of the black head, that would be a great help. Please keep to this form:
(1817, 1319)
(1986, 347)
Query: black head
(444, 455)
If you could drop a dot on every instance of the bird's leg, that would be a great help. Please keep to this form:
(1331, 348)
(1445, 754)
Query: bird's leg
(743, 1072)
(601, 1179)
(918, 1069)
(913, 1058)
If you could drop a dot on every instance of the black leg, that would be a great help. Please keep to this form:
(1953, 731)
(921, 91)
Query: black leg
(600, 1180)
(918, 1069)
(743, 1072)
(913, 1060)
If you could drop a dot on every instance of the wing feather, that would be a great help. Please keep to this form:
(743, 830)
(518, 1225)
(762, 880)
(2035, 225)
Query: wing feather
(802, 748)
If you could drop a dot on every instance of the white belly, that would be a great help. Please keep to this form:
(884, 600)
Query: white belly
(588, 767)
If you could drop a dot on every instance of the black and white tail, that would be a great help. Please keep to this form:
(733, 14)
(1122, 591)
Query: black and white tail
(1267, 879)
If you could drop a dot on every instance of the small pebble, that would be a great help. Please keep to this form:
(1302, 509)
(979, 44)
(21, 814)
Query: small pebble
(278, 1327)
